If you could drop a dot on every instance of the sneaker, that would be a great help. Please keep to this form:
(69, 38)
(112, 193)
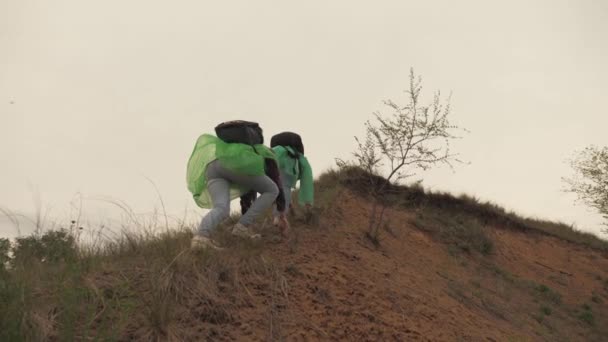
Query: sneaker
(241, 230)
(200, 242)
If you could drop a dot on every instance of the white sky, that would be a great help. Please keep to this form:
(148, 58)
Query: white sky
(97, 95)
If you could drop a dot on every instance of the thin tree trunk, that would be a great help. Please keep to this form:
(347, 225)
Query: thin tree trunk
(372, 218)
(380, 219)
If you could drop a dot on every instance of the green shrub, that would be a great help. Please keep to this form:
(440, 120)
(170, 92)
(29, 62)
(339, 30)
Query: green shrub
(587, 317)
(549, 294)
(545, 310)
(52, 246)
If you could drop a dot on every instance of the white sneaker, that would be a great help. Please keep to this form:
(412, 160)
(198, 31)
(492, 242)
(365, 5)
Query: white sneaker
(241, 230)
(200, 242)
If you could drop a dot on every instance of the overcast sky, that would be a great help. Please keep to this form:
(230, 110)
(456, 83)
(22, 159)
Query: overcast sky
(95, 96)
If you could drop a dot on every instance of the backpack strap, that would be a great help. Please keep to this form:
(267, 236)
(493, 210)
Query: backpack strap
(292, 152)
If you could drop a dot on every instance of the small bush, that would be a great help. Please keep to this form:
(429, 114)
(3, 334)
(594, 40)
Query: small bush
(502, 273)
(545, 310)
(539, 318)
(549, 294)
(543, 288)
(587, 317)
(292, 270)
(52, 246)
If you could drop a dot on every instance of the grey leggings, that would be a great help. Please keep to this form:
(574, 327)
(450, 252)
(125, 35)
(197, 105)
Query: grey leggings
(218, 184)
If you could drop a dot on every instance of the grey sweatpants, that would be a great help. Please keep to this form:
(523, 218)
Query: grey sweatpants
(218, 184)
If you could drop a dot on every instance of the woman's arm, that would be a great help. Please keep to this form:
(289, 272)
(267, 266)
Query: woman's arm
(307, 186)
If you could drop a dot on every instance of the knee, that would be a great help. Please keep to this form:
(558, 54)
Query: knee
(273, 190)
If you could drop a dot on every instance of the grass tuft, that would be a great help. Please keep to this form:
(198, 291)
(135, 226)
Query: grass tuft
(461, 232)
(587, 317)
(549, 294)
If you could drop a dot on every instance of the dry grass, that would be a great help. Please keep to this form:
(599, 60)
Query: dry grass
(143, 287)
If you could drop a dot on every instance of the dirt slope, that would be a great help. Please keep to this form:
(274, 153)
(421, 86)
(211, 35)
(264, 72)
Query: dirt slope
(437, 275)
(335, 285)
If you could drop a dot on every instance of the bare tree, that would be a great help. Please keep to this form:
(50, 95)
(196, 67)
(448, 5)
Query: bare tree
(590, 180)
(413, 137)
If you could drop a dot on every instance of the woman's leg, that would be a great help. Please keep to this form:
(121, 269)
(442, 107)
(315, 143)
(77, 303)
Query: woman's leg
(287, 184)
(269, 192)
(260, 184)
(219, 191)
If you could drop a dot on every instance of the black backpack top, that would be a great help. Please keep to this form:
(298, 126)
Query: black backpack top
(290, 139)
(239, 131)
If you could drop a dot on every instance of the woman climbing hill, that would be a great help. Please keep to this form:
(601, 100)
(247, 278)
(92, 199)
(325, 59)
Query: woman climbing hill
(293, 167)
(227, 166)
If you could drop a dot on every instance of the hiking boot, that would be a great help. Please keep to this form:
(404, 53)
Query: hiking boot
(241, 230)
(200, 242)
